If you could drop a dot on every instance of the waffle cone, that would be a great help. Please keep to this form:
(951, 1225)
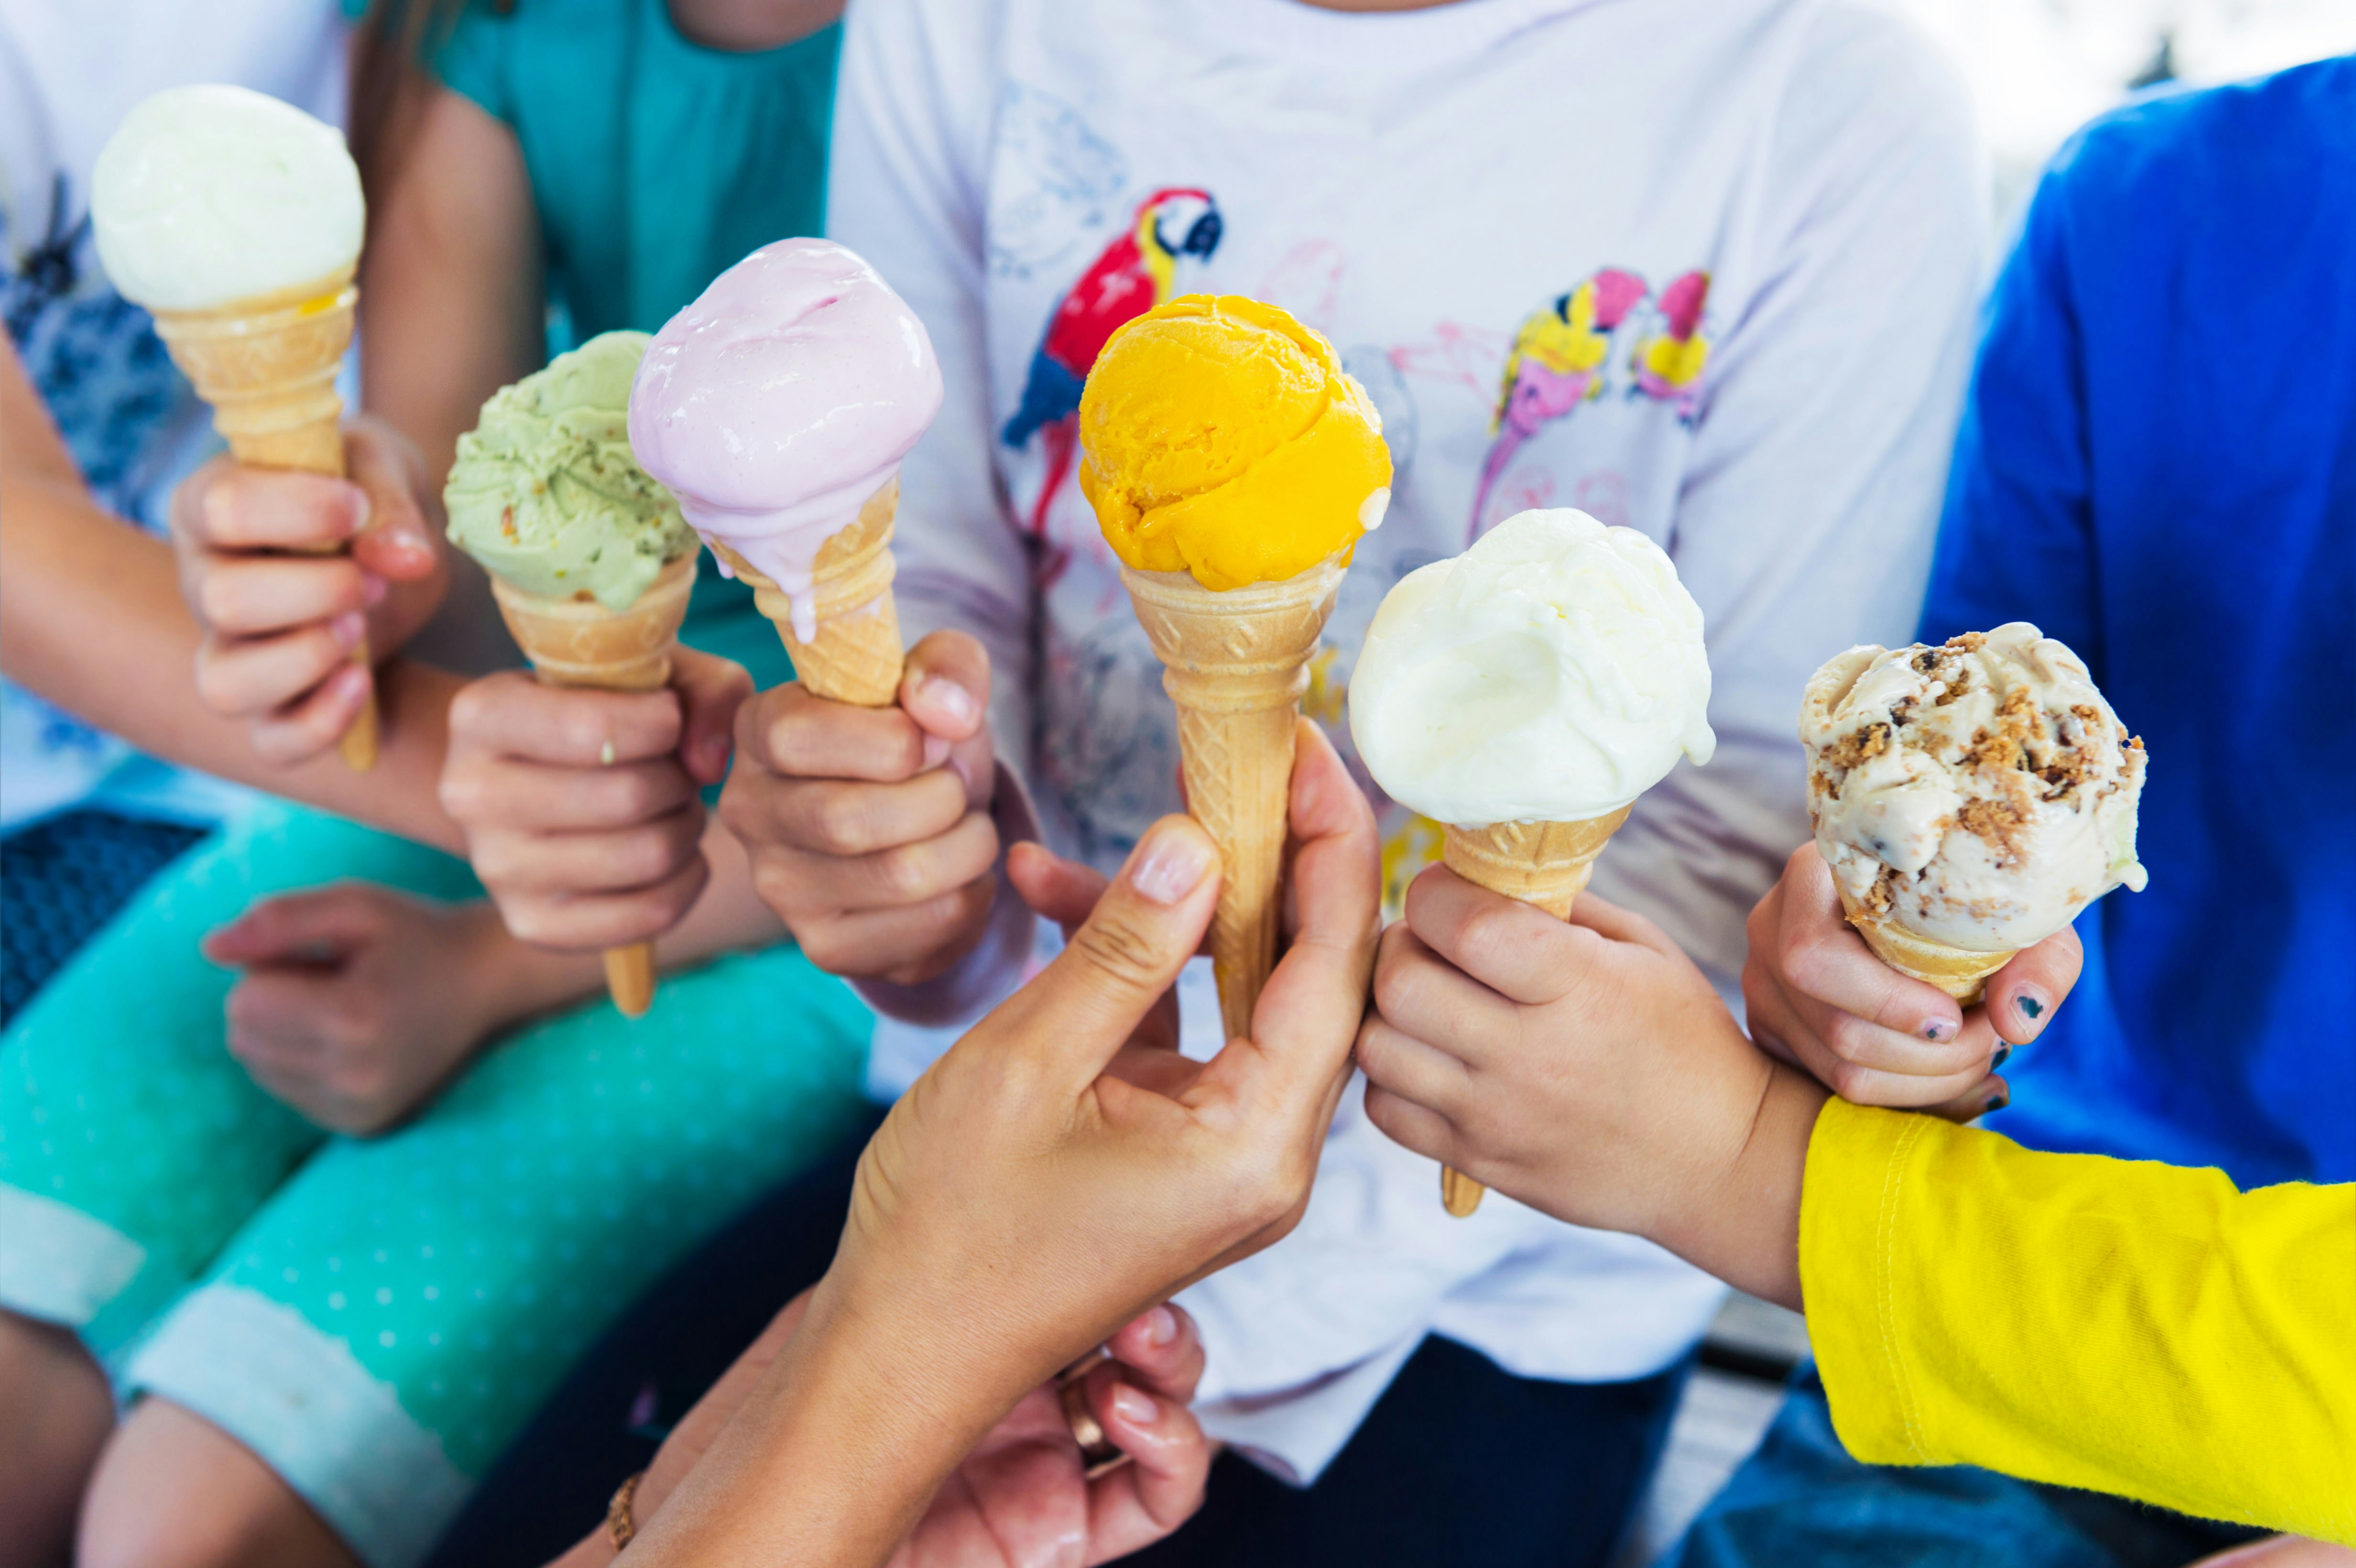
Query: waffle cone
(267, 366)
(1958, 970)
(1237, 663)
(856, 655)
(579, 642)
(1542, 864)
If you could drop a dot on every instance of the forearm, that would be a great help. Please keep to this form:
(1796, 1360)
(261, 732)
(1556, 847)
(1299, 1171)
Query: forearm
(1744, 1225)
(95, 622)
(835, 1452)
(2124, 1326)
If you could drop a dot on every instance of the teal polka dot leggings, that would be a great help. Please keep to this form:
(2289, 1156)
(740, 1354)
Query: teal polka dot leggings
(377, 1318)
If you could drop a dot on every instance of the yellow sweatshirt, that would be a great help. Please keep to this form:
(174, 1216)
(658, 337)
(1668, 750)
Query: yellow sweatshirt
(2120, 1326)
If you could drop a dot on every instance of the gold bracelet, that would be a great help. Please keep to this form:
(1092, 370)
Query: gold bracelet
(619, 1525)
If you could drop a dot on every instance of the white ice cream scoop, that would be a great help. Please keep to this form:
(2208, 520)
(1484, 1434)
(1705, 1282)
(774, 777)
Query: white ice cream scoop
(209, 195)
(1552, 673)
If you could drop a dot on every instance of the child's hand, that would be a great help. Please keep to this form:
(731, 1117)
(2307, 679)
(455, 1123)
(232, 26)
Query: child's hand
(581, 808)
(279, 625)
(869, 828)
(1817, 997)
(1587, 1068)
(358, 1003)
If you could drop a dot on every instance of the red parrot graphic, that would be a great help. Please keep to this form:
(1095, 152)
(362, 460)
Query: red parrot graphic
(1135, 273)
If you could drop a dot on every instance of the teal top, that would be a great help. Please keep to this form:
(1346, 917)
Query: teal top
(657, 163)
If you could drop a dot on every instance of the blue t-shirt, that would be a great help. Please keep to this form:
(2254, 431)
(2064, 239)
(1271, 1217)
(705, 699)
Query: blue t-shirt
(2158, 466)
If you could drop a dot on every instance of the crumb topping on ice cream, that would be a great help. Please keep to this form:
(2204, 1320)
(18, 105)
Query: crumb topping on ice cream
(1978, 794)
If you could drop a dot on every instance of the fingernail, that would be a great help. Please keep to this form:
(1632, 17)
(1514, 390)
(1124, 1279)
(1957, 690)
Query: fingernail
(715, 754)
(373, 589)
(348, 628)
(409, 540)
(1996, 1102)
(1133, 1405)
(1161, 1327)
(2003, 1055)
(2032, 1007)
(936, 752)
(361, 511)
(606, 755)
(952, 698)
(1938, 1032)
(350, 683)
(1171, 864)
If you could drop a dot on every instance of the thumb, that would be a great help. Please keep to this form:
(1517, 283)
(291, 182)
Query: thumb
(1085, 1005)
(321, 927)
(945, 686)
(2022, 995)
(396, 541)
(710, 689)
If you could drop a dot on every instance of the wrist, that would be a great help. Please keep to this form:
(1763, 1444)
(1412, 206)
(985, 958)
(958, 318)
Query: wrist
(1741, 1222)
(508, 980)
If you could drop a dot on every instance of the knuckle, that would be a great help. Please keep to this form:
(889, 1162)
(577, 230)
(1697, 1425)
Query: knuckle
(845, 821)
(1848, 1079)
(1486, 936)
(217, 600)
(903, 874)
(1116, 948)
(470, 710)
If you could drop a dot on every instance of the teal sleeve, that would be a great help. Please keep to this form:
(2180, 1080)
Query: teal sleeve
(472, 63)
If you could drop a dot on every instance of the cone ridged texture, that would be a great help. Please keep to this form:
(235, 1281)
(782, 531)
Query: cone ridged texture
(1237, 663)
(267, 366)
(1542, 864)
(856, 655)
(579, 642)
(1958, 970)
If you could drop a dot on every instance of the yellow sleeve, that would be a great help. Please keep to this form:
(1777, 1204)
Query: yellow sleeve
(2115, 1325)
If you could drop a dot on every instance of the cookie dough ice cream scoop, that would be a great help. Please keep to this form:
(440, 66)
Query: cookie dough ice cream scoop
(1970, 798)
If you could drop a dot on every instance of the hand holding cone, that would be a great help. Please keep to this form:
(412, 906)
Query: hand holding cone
(236, 220)
(591, 562)
(1527, 692)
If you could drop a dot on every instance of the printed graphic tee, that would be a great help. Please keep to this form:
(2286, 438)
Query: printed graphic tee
(1704, 268)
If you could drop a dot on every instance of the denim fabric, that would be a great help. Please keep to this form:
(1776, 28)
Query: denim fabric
(1802, 1500)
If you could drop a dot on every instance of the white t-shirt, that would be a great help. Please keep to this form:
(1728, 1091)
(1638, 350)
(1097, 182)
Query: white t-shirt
(69, 72)
(1727, 251)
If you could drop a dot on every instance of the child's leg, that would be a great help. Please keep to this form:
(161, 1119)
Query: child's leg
(391, 1317)
(176, 1491)
(132, 1146)
(55, 1412)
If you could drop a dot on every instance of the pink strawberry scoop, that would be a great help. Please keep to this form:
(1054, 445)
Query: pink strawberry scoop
(780, 401)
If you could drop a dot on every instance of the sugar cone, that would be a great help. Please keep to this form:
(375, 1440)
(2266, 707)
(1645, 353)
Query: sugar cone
(1542, 864)
(1237, 663)
(579, 642)
(1958, 970)
(855, 656)
(267, 365)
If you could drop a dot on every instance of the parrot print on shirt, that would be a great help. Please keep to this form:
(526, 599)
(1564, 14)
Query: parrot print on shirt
(1668, 364)
(1557, 362)
(1134, 274)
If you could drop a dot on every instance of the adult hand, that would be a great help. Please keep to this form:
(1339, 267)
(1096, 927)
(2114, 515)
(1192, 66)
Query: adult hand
(869, 828)
(1024, 1198)
(1817, 997)
(358, 1003)
(281, 622)
(1587, 1069)
(581, 808)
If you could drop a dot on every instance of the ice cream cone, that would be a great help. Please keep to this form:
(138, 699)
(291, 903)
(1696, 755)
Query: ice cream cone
(1542, 864)
(1958, 970)
(267, 365)
(1237, 663)
(579, 642)
(855, 654)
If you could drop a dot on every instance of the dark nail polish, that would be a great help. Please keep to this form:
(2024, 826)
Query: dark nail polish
(1995, 1103)
(1937, 1031)
(2032, 1007)
(2003, 1055)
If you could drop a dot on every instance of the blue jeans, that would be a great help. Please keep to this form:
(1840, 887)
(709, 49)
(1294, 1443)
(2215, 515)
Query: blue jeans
(1800, 1499)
